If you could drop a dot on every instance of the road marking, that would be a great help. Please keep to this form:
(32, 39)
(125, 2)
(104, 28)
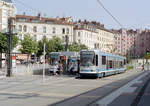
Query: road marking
(125, 89)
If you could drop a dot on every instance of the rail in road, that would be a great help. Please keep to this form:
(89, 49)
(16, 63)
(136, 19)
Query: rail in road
(98, 96)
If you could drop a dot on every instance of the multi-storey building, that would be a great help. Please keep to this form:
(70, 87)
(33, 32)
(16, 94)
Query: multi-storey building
(132, 43)
(142, 42)
(85, 33)
(7, 9)
(105, 39)
(38, 27)
(94, 35)
(125, 42)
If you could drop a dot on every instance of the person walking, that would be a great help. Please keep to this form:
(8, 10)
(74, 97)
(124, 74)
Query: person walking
(60, 68)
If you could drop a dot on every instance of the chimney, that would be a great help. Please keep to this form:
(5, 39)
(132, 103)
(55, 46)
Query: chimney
(79, 21)
(39, 15)
(102, 25)
(24, 13)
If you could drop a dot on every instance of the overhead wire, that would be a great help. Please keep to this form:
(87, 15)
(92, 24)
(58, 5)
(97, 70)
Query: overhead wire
(114, 18)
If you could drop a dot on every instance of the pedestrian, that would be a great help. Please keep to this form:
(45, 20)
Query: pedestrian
(60, 68)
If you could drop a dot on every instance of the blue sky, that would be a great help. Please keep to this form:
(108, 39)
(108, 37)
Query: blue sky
(131, 13)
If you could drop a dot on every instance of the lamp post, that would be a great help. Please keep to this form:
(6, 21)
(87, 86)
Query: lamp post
(9, 34)
(67, 41)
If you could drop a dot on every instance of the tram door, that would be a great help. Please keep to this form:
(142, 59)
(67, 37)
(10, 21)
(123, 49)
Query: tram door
(63, 62)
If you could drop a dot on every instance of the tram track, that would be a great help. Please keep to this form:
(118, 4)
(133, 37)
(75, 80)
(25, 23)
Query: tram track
(90, 97)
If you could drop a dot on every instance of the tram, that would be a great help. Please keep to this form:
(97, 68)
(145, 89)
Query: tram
(54, 62)
(99, 64)
(67, 59)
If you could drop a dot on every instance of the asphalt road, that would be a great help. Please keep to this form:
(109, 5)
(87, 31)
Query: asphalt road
(60, 90)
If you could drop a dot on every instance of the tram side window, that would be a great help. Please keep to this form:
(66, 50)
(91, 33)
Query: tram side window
(103, 60)
(96, 60)
(124, 62)
(110, 64)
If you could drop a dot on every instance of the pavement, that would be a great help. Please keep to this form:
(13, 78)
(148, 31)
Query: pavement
(131, 88)
(58, 90)
(144, 95)
(134, 93)
(32, 69)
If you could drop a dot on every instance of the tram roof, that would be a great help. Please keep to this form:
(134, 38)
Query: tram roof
(106, 53)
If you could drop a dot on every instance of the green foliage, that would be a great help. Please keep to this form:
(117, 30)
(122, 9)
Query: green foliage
(52, 45)
(41, 45)
(77, 47)
(29, 45)
(4, 42)
(55, 45)
(15, 40)
(129, 67)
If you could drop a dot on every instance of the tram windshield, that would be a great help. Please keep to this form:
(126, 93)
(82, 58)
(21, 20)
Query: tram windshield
(54, 59)
(73, 61)
(87, 58)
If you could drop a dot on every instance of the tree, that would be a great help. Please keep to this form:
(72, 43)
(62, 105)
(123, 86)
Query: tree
(77, 47)
(4, 42)
(41, 45)
(55, 45)
(29, 45)
(82, 46)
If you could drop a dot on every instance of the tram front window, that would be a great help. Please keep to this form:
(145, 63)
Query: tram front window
(87, 59)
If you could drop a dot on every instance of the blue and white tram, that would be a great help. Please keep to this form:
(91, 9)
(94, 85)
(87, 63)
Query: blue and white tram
(54, 62)
(99, 64)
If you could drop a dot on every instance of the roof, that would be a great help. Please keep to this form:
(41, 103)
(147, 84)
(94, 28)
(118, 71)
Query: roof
(8, 1)
(39, 19)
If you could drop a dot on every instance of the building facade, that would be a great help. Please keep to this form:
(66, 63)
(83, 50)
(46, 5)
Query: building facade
(94, 35)
(7, 9)
(38, 27)
(85, 33)
(125, 42)
(105, 39)
(132, 43)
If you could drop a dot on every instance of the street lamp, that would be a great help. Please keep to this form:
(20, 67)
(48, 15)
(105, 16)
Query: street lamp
(10, 32)
(67, 41)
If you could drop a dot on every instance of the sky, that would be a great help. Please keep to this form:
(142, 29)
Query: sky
(132, 14)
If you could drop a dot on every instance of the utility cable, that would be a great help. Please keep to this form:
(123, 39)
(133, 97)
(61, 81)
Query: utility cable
(101, 4)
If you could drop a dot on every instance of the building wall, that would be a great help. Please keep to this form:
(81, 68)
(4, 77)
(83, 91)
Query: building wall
(6, 10)
(86, 37)
(40, 30)
(106, 40)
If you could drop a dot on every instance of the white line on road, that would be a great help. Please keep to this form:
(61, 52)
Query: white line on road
(125, 89)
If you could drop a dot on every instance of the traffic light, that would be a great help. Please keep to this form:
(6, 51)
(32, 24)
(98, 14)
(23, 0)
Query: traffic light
(147, 54)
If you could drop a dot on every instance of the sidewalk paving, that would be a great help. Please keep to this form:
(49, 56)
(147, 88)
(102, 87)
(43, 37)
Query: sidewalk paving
(145, 99)
(24, 70)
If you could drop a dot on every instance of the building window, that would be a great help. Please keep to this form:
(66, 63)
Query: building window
(44, 29)
(63, 31)
(25, 28)
(35, 37)
(54, 30)
(79, 34)
(20, 28)
(67, 30)
(34, 29)
(63, 39)
(79, 41)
